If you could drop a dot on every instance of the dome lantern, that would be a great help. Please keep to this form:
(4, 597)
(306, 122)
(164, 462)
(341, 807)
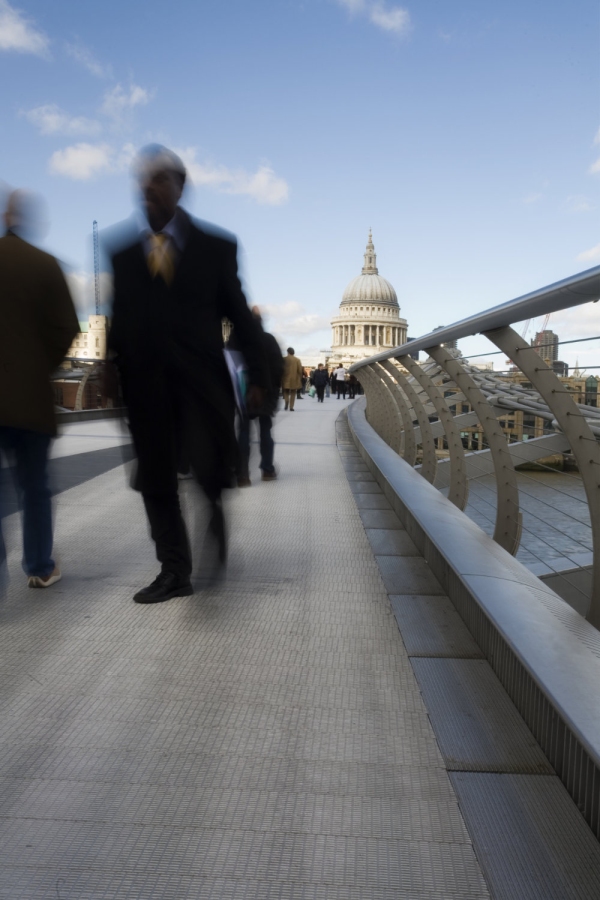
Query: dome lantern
(370, 266)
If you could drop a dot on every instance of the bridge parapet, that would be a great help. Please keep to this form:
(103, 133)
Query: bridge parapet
(544, 653)
(427, 400)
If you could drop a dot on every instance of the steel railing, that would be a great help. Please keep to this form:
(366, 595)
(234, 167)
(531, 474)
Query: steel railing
(411, 405)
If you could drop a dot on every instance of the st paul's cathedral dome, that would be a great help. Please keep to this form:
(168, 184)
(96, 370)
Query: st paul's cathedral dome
(369, 317)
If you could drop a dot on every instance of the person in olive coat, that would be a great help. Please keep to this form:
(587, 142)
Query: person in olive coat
(291, 380)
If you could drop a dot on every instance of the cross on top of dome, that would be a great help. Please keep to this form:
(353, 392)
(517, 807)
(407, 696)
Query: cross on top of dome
(370, 266)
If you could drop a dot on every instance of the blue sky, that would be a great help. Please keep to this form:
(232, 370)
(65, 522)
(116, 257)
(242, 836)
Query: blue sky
(466, 134)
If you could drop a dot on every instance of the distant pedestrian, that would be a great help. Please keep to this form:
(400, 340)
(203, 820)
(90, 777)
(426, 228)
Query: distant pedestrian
(340, 381)
(352, 386)
(264, 415)
(291, 380)
(36, 308)
(320, 380)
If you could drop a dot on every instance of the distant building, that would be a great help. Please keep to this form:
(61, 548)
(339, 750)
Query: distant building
(369, 317)
(560, 368)
(546, 344)
(90, 342)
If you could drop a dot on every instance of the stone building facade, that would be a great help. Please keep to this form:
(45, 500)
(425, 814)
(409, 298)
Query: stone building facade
(369, 318)
(90, 343)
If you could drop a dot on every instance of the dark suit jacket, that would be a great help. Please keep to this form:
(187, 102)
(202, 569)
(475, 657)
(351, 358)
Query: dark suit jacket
(37, 324)
(168, 344)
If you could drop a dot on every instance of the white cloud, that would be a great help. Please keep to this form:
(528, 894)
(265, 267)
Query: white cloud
(595, 167)
(532, 198)
(589, 255)
(50, 119)
(577, 203)
(87, 59)
(597, 137)
(390, 18)
(83, 161)
(18, 33)
(293, 319)
(264, 185)
(118, 101)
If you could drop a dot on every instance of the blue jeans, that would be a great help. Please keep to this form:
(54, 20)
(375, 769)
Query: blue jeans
(27, 451)
(267, 444)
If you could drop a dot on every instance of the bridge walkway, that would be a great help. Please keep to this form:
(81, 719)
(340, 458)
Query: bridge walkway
(269, 737)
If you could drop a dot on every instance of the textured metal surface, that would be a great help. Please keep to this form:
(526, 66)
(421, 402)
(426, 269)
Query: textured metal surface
(476, 724)
(430, 626)
(263, 739)
(531, 840)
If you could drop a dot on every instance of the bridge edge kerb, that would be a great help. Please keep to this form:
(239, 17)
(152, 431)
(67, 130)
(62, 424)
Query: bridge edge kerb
(512, 616)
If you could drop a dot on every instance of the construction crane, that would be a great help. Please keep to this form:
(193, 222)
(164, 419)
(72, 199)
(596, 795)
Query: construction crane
(96, 266)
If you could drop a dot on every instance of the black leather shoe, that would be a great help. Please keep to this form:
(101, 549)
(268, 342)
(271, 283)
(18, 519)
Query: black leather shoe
(164, 587)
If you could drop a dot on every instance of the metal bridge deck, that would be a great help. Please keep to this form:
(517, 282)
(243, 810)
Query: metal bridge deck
(267, 738)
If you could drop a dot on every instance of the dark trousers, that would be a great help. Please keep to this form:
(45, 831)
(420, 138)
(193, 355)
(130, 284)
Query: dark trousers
(183, 434)
(320, 392)
(28, 450)
(267, 444)
(341, 388)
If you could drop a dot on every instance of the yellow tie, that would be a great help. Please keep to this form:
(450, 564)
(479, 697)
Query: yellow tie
(160, 261)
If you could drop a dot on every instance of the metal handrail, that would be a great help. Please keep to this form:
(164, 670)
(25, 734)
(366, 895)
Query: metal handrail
(546, 398)
(573, 291)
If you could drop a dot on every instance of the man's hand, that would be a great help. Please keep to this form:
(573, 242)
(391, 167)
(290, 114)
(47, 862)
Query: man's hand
(255, 399)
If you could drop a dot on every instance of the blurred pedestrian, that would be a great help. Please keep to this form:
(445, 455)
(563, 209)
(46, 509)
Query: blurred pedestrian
(264, 414)
(352, 386)
(172, 288)
(291, 380)
(320, 380)
(38, 326)
(340, 381)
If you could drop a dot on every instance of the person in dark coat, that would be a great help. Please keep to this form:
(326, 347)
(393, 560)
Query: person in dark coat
(320, 380)
(272, 355)
(172, 288)
(38, 325)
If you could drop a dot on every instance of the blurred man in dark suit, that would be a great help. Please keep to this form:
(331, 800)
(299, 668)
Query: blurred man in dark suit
(37, 324)
(173, 285)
